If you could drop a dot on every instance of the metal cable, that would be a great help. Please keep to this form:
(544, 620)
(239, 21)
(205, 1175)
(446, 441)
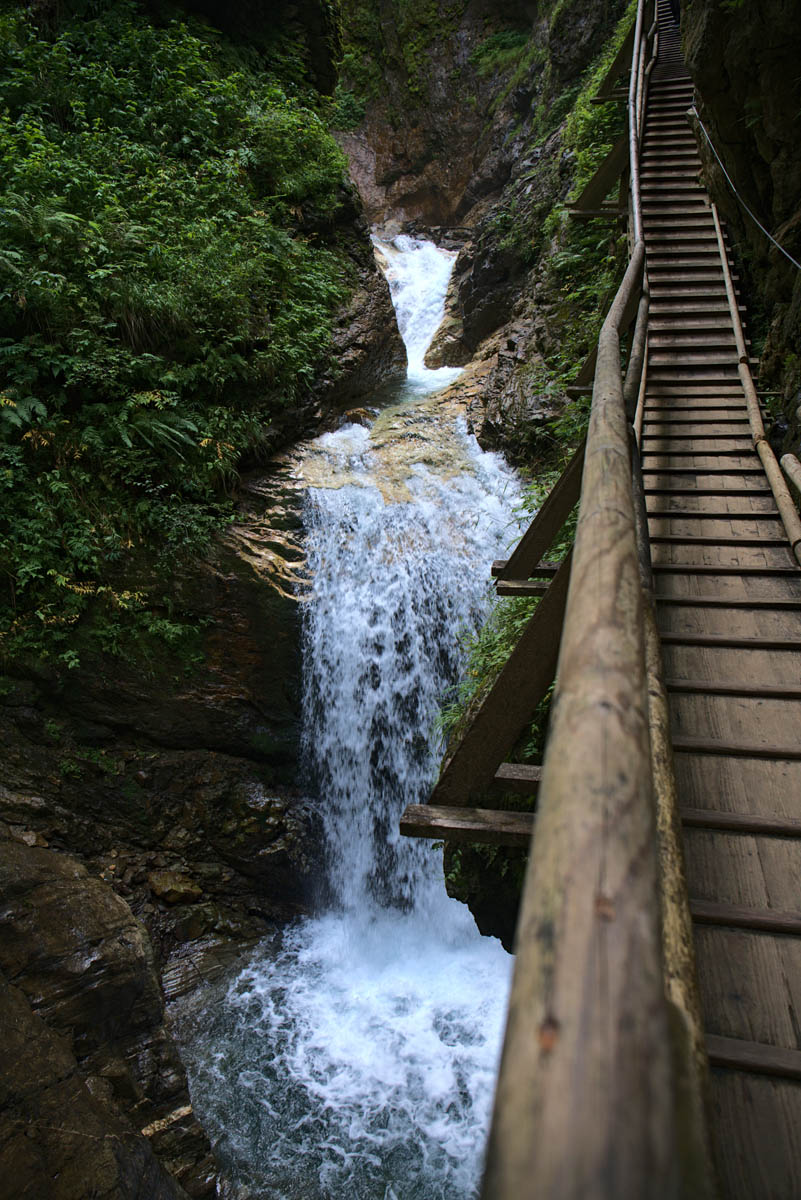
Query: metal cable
(753, 217)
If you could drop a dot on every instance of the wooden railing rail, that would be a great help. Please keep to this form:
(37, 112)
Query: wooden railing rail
(586, 1097)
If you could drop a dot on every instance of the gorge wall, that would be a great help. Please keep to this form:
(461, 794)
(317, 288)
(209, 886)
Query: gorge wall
(744, 60)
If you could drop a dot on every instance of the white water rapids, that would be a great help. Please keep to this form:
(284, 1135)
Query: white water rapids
(356, 1060)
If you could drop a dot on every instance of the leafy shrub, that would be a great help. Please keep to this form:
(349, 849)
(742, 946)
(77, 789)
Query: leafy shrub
(160, 302)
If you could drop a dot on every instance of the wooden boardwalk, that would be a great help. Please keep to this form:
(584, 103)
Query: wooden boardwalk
(656, 1004)
(729, 609)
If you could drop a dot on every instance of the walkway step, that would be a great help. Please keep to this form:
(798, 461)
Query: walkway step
(746, 823)
(719, 569)
(731, 640)
(754, 1057)
(708, 912)
(681, 539)
(715, 514)
(722, 687)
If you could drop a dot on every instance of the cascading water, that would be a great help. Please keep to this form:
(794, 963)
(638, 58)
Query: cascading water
(357, 1060)
(418, 274)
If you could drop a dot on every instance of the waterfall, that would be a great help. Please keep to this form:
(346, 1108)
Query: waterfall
(356, 1059)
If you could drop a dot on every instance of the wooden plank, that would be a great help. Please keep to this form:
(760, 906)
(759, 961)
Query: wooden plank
(722, 687)
(523, 778)
(756, 1057)
(720, 569)
(757, 1135)
(747, 602)
(745, 823)
(700, 745)
(730, 640)
(520, 587)
(709, 912)
(740, 784)
(469, 771)
(688, 539)
(544, 569)
(753, 871)
(543, 530)
(693, 491)
(750, 982)
(484, 826)
(710, 514)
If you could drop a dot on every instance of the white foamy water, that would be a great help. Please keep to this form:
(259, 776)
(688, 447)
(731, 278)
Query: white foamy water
(418, 273)
(356, 1059)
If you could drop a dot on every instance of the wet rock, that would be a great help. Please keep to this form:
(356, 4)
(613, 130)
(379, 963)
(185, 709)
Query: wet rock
(74, 952)
(368, 352)
(358, 416)
(61, 1135)
(173, 887)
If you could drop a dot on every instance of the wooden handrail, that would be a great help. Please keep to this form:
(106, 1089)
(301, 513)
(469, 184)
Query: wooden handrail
(587, 1052)
(781, 493)
(586, 1099)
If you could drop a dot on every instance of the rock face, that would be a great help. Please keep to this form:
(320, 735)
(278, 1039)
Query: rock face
(368, 352)
(94, 1098)
(178, 790)
(744, 60)
(427, 149)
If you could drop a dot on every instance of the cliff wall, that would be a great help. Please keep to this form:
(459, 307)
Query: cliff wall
(744, 60)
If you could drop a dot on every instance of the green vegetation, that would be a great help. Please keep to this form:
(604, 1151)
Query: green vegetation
(499, 51)
(168, 274)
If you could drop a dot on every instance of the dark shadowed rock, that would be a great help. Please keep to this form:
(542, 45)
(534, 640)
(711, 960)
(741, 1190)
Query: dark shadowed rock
(88, 1061)
(744, 60)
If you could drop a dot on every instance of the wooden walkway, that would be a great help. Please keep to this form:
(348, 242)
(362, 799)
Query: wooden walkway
(729, 608)
(656, 1005)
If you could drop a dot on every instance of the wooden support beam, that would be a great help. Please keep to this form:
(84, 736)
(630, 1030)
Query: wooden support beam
(607, 211)
(481, 826)
(522, 778)
(520, 587)
(608, 89)
(544, 529)
(469, 772)
(545, 570)
(582, 384)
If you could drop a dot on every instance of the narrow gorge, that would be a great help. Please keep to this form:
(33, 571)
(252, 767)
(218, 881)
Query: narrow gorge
(291, 321)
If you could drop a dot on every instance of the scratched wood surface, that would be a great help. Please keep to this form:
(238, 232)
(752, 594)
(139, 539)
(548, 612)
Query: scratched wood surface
(710, 509)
